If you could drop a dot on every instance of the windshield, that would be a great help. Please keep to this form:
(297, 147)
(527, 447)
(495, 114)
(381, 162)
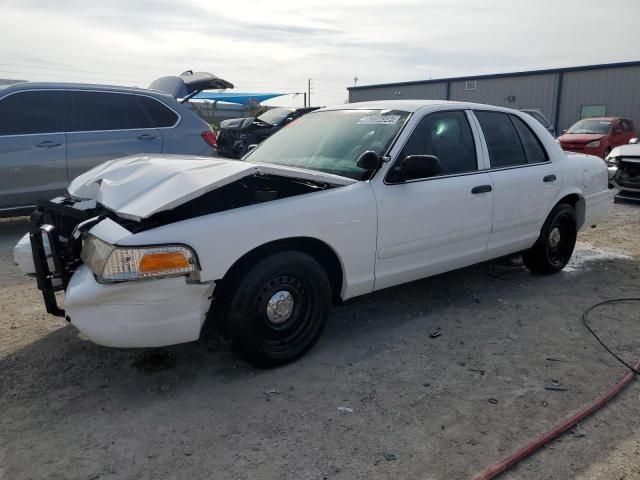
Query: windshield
(590, 126)
(331, 141)
(275, 115)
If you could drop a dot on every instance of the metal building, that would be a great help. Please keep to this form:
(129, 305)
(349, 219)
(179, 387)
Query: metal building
(563, 95)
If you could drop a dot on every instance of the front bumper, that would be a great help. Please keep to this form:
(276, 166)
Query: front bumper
(144, 313)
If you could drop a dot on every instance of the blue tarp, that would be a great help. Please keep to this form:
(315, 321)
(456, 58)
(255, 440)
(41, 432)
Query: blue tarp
(242, 98)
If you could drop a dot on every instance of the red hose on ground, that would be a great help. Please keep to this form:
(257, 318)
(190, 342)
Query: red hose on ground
(500, 467)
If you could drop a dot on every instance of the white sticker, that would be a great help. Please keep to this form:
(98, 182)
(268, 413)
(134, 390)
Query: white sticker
(379, 120)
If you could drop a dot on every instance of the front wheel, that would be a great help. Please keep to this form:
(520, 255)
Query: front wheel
(274, 311)
(554, 247)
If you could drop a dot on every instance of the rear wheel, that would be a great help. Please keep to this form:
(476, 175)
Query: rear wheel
(554, 247)
(274, 311)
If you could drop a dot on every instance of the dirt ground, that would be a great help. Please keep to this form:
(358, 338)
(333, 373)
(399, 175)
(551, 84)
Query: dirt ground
(422, 407)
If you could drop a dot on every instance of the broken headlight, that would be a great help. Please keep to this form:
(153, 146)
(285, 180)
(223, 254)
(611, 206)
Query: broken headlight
(110, 263)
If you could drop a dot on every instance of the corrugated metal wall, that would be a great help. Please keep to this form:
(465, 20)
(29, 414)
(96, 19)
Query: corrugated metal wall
(535, 91)
(433, 91)
(616, 87)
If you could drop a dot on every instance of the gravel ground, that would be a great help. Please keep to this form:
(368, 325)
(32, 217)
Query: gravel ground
(417, 407)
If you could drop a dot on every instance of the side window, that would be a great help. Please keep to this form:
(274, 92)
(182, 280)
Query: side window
(447, 135)
(32, 112)
(94, 111)
(504, 145)
(626, 125)
(533, 149)
(160, 115)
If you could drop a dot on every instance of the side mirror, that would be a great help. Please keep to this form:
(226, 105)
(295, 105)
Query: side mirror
(369, 160)
(634, 141)
(564, 130)
(413, 167)
(617, 131)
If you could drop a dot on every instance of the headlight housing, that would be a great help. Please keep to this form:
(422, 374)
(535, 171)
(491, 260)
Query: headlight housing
(110, 263)
(594, 144)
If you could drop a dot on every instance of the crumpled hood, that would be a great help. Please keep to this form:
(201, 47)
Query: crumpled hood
(632, 150)
(139, 186)
(236, 123)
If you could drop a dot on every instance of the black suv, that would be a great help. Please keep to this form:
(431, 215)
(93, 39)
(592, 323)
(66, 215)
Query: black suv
(237, 134)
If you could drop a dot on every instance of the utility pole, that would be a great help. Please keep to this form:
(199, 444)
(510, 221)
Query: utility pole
(305, 99)
(355, 80)
(309, 90)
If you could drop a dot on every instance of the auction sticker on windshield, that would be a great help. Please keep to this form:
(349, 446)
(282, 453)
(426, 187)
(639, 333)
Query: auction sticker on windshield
(379, 120)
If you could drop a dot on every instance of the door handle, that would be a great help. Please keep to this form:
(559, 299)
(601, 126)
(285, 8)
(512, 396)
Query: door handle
(481, 189)
(549, 178)
(48, 144)
(146, 136)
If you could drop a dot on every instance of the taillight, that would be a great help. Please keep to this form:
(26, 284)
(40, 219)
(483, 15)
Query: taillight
(209, 136)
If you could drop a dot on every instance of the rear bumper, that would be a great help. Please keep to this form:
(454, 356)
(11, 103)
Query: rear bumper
(146, 313)
(598, 206)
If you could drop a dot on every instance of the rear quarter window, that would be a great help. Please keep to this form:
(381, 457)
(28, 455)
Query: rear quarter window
(160, 115)
(533, 149)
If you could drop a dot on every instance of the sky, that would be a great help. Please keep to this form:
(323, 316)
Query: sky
(276, 46)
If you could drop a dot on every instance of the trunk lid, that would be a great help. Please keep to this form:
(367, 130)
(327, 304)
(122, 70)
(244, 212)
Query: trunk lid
(189, 83)
(139, 186)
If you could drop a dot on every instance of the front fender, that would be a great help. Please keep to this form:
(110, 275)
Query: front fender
(344, 218)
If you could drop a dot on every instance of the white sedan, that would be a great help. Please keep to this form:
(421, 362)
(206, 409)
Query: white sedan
(340, 203)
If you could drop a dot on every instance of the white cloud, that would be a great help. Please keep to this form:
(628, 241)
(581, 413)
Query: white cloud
(276, 46)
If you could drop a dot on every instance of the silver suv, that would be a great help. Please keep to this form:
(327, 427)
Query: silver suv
(52, 132)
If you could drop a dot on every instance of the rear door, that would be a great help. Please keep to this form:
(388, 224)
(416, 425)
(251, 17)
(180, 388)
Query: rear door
(524, 179)
(107, 125)
(32, 147)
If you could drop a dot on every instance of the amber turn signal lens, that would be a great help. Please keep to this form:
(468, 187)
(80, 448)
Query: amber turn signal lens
(158, 261)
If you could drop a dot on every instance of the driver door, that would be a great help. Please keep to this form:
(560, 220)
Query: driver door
(431, 225)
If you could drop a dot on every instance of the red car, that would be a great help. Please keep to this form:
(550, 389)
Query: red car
(598, 135)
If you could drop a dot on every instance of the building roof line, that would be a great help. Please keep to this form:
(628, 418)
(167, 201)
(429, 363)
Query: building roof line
(599, 66)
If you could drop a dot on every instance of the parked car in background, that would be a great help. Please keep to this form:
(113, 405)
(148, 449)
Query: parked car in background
(342, 202)
(598, 135)
(52, 132)
(236, 135)
(542, 119)
(624, 170)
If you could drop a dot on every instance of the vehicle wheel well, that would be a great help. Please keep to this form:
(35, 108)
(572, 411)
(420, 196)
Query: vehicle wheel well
(313, 247)
(578, 204)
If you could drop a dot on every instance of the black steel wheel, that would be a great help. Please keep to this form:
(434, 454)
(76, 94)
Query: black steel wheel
(275, 311)
(553, 249)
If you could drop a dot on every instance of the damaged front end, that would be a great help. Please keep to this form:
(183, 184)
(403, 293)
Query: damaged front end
(56, 244)
(133, 201)
(626, 176)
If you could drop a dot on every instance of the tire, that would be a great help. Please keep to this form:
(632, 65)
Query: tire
(554, 247)
(274, 311)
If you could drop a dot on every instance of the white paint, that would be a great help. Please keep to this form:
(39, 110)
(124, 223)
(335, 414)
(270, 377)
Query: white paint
(382, 234)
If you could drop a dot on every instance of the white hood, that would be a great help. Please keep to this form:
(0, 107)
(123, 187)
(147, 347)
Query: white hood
(632, 150)
(138, 186)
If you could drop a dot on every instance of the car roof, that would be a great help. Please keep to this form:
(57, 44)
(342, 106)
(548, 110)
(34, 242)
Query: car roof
(415, 105)
(79, 86)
